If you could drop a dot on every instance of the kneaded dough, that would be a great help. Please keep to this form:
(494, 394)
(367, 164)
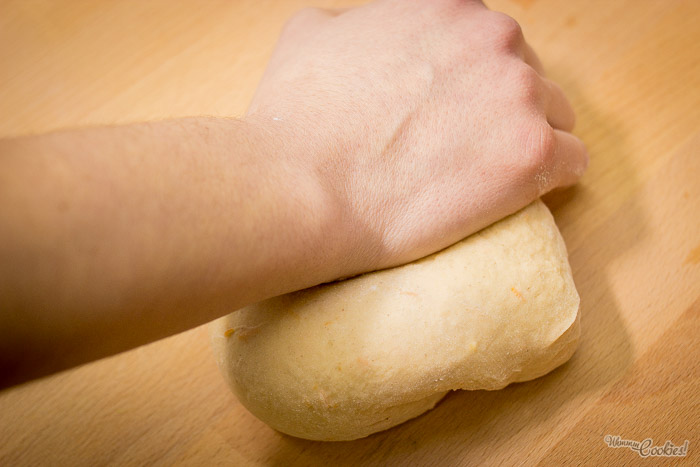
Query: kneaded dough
(346, 359)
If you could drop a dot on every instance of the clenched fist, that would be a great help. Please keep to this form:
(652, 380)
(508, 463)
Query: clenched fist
(424, 121)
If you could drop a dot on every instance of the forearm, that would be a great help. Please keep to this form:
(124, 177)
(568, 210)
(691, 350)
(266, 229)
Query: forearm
(354, 157)
(114, 237)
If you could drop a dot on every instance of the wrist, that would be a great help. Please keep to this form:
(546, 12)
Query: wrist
(322, 239)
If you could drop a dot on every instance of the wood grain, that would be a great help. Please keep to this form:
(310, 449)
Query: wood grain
(632, 70)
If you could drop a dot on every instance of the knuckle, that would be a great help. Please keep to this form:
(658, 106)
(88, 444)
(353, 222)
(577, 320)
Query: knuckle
(301, 19)
(449, 4)
(507, 31)
(527, 84)
(307, 13)
(540, 147)
(537, 163)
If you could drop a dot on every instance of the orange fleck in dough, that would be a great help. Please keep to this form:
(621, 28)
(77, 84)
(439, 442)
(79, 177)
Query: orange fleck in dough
(412, 294)
(245, 333)
(517, 293)
(229, 332)
(362, 361)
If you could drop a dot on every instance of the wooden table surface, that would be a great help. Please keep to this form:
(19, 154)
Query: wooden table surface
(632, 70)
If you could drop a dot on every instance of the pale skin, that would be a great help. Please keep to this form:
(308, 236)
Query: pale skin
(369, 143)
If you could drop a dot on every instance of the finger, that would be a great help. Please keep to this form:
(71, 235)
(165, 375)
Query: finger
(304, 22)
(477, 3)
(337, 11)
(531, 58)
(572, 157)
(309, 17)
(557, 107)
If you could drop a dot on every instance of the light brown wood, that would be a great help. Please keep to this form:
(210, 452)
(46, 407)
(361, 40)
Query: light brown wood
(632, 70)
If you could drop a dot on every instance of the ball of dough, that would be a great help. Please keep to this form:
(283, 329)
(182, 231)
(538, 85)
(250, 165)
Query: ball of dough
(346, 359)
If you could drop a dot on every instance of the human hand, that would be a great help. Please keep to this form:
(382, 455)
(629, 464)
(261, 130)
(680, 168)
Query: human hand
(377, 136)
(423, 121)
